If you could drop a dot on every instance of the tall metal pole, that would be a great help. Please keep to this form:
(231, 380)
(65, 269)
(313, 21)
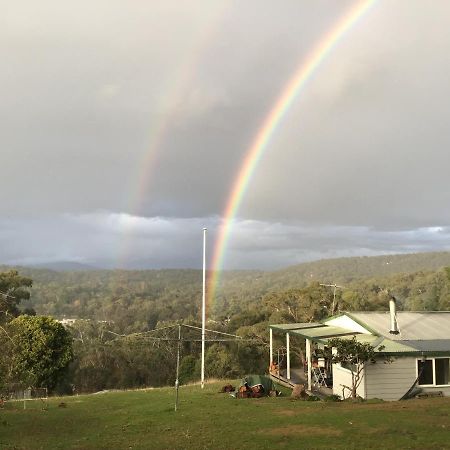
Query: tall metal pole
(333, 306)
(203, 309)
(177, 383)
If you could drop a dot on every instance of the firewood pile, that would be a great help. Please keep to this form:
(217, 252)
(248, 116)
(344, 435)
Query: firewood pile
(252, 386)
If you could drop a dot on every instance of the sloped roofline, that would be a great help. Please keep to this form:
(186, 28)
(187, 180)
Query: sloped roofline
(359, 322)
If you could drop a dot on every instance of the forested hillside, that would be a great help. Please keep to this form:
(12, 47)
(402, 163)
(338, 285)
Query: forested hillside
(146, 297)
(112, 304)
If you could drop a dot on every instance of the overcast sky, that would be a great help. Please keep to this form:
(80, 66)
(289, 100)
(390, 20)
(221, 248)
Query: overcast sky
(123, 126)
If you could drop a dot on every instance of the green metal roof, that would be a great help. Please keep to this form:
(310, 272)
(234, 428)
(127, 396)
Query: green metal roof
(287, 327)
(413, 325)
(431, 345)
(323, 332)
(393, 345)
(388, 345)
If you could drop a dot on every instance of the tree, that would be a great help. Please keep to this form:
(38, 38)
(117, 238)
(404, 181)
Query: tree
(13, 289)
(352, 355)
(221, 363)
(188, 369)
(41, 351)
(299, 305)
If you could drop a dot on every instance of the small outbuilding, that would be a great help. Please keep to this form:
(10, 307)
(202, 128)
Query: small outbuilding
(412, 353)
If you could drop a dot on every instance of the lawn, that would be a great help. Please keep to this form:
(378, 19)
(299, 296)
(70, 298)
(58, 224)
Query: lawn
(208, 420)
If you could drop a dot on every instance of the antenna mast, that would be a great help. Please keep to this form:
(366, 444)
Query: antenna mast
(334, 286)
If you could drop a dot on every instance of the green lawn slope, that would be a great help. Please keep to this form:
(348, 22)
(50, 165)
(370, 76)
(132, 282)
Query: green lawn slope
(209, 420)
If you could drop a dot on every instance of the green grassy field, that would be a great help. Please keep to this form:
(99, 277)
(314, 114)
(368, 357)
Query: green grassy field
(209, 420)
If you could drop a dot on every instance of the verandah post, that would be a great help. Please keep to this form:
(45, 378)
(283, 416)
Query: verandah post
(288, 358)
(271, 347)
(308, 362)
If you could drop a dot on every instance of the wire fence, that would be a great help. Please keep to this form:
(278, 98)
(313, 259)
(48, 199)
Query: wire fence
(25, 395)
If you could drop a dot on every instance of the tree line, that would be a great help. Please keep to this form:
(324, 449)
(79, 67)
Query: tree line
(106, 349)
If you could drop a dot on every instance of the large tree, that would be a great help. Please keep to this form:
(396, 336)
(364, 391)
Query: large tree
(307, 304)
(13, 290)
(41, 351)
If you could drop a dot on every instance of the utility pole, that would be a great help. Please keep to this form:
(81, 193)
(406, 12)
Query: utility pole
(334, 286)
(203, 309)
(177, 382)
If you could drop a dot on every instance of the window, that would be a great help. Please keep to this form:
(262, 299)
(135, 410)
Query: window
(441, 369)
(425, 370)
(434, 371)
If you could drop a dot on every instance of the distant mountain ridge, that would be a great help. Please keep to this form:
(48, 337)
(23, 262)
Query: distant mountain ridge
(369, 266)
(59, 266)
(64, 266)
(340, 269)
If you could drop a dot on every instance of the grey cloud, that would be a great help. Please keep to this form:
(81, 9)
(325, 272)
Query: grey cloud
(267, 245)
(357, 166)
(114, 240)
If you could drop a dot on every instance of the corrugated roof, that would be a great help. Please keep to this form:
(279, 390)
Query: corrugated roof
(323, 332)
(436, 345)
(388, 346)
(295, 326)
(419, 331)
(413, 326)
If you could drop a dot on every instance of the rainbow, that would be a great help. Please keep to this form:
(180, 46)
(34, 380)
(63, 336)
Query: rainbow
(253, 155)
(175, 89)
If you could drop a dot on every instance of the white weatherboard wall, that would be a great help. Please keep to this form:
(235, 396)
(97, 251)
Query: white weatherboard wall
(444, 389)
(343, 376)
(390, 381)
(348, 323)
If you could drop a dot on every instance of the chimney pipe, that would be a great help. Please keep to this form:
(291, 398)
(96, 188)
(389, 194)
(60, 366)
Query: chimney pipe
(393, 314)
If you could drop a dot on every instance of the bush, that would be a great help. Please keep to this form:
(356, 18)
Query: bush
(313, 398)
(188, 369)
(332, 398)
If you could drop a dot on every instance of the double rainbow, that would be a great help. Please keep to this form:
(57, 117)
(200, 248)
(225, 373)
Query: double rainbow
(259, 145)
(175, 90)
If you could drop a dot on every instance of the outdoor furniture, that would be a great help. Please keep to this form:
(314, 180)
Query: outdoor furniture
(319, 377)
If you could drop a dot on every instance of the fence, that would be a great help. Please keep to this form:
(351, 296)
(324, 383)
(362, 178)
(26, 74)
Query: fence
(26, 395)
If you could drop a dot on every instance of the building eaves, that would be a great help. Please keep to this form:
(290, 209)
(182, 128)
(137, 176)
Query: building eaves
(288, 327)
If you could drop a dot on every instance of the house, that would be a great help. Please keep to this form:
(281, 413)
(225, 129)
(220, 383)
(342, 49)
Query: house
(412, 348)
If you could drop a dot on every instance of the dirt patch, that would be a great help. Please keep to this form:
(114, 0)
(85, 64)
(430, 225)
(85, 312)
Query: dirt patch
(287, 413)
(424, 405)
(304, 430)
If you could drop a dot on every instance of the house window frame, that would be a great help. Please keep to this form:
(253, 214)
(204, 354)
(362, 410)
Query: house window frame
(433, 359)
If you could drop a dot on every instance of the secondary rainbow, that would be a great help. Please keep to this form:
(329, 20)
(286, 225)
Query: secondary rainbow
(253, 155)
(175, 89)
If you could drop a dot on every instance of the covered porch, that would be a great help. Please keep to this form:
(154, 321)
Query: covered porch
(311, 364)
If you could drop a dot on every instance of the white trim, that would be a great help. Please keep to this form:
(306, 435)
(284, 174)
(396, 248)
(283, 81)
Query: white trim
(271, 347)
(433, 367)
(343, 368)
(288, 357)
(347, 322)
(308, 362)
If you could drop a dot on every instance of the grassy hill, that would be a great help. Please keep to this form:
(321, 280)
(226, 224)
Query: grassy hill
(209, 420)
